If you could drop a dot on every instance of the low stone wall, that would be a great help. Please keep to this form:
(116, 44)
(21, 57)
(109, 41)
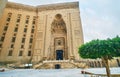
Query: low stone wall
(61, 63)
(98, 63)
(84, 63)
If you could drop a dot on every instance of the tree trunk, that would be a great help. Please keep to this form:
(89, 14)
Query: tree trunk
(105, 61)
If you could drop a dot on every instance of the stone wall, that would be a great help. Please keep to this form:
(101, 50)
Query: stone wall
(25, 28)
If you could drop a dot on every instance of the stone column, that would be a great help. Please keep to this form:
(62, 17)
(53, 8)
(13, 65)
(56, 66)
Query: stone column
(70, 38)
(45, 49)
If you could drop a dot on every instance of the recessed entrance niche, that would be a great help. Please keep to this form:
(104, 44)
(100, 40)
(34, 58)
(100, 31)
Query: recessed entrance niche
(58, 39)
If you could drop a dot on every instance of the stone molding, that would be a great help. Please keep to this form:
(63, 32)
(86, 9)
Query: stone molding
(57, 6)
(20, 6)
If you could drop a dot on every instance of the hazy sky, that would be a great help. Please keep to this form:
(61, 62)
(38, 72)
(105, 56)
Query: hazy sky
(100, 18)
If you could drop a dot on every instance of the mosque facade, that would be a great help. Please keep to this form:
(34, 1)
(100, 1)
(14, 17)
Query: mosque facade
(38, 33)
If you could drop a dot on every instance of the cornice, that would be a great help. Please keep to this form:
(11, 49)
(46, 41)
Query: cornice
(20, 6)
(58, 6)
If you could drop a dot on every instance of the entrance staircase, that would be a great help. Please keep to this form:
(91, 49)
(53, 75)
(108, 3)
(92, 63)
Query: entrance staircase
(50, 64)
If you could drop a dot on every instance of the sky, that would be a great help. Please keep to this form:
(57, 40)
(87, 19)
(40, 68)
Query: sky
(100, 18)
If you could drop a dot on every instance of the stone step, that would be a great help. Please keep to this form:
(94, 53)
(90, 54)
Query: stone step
(63, 64)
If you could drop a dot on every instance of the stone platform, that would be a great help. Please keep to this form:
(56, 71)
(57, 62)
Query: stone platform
(57, 64)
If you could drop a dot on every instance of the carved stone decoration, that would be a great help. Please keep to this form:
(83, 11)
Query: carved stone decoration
(58, 24)
(59, 34)
(59, 41)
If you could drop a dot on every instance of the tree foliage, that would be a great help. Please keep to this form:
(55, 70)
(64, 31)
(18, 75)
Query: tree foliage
(116, 45)
(100, 48)
(104, 49)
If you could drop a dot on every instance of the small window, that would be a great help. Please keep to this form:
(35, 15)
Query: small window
(13, 39)
(5, 28)
(17, 24)
(31, 39)
(8, 19)
(7, 24)
(16, 29)
(4, 34)
(12, 45)
(0, 45)
(59, 42)
(33, 22)
(20, 53)
(25, 29)
(24, 35)
(19, 15)
(14, 34)
(2, 38)
(29, 53)
(32, 31)
(18, 20)
(33, 26)
(27, 21)
(9, 14)
(31, 35)
(23, 40)
(26, 25)
(22, 46)
(10, 53)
